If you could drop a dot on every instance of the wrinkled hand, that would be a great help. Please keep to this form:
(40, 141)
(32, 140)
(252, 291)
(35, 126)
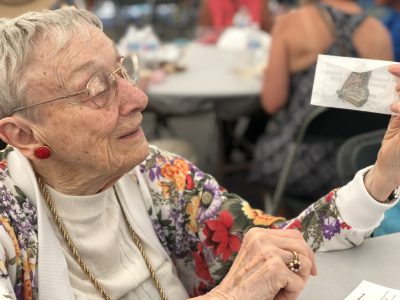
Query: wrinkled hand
(260, 269)
(384, 177)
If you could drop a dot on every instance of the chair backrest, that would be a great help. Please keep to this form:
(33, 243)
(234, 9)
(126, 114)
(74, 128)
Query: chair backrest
(324, 123)
(335, 123)
(358, 152)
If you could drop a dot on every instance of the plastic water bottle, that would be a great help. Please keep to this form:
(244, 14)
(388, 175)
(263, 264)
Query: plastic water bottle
(151, 45)
(133, 42)
(242, 18)
(129, 42)
(254, 46)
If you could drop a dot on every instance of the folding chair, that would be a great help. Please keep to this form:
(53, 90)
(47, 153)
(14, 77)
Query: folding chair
(322, 124)
(358, 152)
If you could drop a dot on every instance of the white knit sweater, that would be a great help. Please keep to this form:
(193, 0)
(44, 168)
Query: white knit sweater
(100, 234)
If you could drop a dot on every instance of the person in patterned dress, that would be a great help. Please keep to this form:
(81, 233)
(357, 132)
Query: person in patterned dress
(333, 27)
(89, 210)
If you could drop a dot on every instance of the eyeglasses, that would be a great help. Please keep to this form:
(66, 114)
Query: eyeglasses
(102, 85)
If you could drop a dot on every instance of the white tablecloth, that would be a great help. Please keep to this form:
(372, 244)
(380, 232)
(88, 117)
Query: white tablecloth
(212, 81)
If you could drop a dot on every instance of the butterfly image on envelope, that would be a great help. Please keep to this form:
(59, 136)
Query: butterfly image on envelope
(355, 88)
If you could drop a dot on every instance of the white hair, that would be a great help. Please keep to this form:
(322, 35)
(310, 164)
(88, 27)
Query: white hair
(19, 38)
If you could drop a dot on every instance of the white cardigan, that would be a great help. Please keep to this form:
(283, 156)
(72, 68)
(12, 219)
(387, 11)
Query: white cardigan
(53, 278)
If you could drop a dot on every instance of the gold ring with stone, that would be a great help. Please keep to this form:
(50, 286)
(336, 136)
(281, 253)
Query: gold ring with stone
(295, 264)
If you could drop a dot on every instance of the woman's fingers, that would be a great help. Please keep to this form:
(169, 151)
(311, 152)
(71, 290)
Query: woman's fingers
(395, 107)
(283, 279)
(304, 261)
(394, 69)
(292, 287)
(291, 240)
(260, 270)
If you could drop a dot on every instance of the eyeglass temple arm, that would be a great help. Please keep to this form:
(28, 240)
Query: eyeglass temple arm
(47, 101)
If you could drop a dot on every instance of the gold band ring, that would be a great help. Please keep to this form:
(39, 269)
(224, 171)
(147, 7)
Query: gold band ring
(295, 264)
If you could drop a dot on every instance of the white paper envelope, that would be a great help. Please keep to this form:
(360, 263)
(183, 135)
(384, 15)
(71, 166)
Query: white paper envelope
(354, 83)
(371, 291)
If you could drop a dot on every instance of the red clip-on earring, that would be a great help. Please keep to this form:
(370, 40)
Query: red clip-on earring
(42, 152)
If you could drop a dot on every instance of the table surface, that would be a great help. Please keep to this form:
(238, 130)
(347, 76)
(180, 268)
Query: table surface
(210, 72)
(211, 82)
(340, 272)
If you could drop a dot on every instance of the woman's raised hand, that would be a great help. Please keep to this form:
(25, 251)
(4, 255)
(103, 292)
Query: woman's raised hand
(260, 270)
(384, 177)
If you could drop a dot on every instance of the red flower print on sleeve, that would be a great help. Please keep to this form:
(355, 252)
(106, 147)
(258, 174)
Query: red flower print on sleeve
(189, 182)
(344, 225)
(3, 164)
(331, 195)
(201, 266)
(295, 224)
(218, 236)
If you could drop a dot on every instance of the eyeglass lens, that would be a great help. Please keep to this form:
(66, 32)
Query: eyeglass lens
(131, 65)
(99, 88)
(102, 83)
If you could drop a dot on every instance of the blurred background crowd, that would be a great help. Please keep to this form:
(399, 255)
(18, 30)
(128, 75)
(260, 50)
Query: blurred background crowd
(229, 85)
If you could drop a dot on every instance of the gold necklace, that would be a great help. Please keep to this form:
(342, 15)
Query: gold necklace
(77, 257)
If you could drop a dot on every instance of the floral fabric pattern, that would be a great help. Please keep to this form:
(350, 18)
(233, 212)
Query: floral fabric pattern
(197, 221)
(201, 225)
(18, 219)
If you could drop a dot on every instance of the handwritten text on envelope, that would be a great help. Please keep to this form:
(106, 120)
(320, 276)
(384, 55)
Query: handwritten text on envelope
(354, 83)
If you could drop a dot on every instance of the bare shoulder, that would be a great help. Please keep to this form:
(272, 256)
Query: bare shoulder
(373, 23)
(373, 27)
(378, 47)
(291, 20)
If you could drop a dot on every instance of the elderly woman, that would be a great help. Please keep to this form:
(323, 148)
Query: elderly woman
(88, 210)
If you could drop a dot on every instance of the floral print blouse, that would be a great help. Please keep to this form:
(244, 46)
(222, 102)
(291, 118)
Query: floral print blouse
(199, 223)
